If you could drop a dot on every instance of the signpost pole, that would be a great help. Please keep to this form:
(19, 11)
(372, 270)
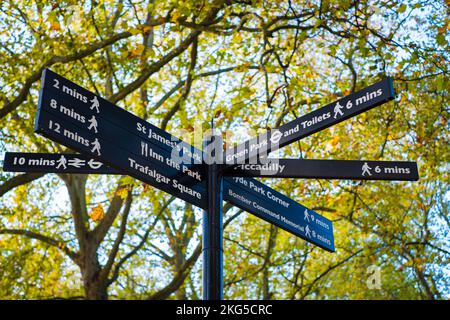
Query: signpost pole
(213, 229)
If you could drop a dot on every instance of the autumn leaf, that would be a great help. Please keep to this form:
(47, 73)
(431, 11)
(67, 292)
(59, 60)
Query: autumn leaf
(61, 245)
(402, 8)
(55, 26)
(440, 39)
(97, 213)
(175, 16)
(335, 140)
(145, 187)
(146, 29)
(122, 192)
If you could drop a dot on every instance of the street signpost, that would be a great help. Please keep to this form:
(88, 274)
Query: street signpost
(114, 141)
(84, 122)
(327, 169)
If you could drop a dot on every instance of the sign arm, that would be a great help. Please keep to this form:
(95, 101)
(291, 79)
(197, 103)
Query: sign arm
(315, 121)
(327, 169)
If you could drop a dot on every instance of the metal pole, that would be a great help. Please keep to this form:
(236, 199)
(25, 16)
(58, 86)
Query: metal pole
(213, 228)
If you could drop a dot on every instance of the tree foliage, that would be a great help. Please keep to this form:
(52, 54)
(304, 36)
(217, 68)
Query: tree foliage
(252, 65)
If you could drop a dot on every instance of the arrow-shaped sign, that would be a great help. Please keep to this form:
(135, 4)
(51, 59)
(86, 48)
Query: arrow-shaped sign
(310, 123)
(327, 169)
(84, 122)
(54, 163)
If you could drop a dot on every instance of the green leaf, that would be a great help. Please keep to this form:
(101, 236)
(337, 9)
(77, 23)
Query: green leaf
(402, 8)
(440, 39)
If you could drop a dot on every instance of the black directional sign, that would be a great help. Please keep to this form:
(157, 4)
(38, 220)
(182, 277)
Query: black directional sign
(315, 121)
(327, 169)
(54, 163)
(83, 121)
(270, 205)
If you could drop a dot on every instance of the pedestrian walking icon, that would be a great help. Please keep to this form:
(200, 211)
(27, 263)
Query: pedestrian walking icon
(61, 162)
(95, 104)
(308, 231)
(306, 217)
(366, 169)
(96, 147)
(93, 124)
(337, 110)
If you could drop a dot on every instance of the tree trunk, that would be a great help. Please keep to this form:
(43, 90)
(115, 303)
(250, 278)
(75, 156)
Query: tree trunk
(95, 287)
(180, 261)
(266, 292)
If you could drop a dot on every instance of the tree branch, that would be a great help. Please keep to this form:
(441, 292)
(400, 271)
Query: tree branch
(18, 181)
(179, 278)
(50, 241)
(187, 87)
(155, 67)
(10, 106)
(331, 268)
(100, 231)
(115, 274)
(181, 83)
(112, 255)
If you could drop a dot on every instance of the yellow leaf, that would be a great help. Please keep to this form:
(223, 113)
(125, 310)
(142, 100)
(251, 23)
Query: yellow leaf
(404, 98)
(97, 213)
(122, 192)
(55, 26)
(140, 48)
(175, 16)
(237, 38)
(134, 31)
(146, 28)
(335, 140)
